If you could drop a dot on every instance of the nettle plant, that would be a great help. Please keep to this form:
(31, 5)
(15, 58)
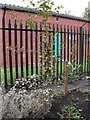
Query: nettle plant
(74, 68)
(44, 11)
(69, 112)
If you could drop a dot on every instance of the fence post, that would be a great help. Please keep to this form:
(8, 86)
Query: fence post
(81, 46)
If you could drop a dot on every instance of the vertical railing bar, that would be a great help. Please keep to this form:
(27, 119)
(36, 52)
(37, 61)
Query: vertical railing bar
(64, 47)
(36, 48)
(71, 45)
(21, 49)
(4, 52)
(10, 53)
(67, 43)
(64, 43)
(77, 45)
(40, 51)
(31, 42)
(57, 49)
(74, 45)
(50, 46)
(74, 50)
(85, 51)
(45, 45)
(88, 51)
(81, 47)
(16, 51)
(53, 53)
(61, 53)
(26, 49)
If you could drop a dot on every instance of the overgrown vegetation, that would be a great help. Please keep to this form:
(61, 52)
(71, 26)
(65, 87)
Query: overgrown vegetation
(44, 9)
(86, 13)
(75, 72)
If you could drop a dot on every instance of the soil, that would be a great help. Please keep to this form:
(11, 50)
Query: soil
(75, 98)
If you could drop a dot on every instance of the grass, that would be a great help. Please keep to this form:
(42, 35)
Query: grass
(14, 72)
(34, 71)
(24, 71)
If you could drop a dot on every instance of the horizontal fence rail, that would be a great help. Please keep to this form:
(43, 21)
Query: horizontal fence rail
(22, 49)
